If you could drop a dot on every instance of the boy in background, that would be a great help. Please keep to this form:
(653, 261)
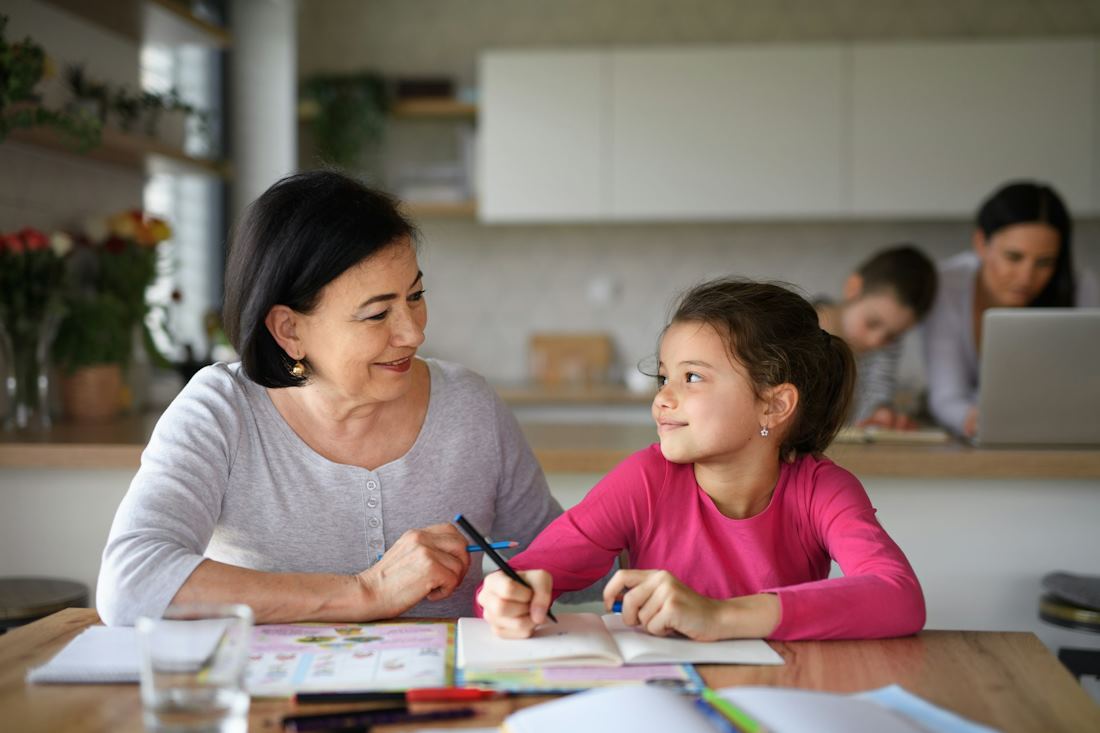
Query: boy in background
(885, 297)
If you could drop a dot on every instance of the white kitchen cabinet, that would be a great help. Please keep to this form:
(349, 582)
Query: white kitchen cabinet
(727, 132)
(843, 130)
(937, 126)
(542, 136)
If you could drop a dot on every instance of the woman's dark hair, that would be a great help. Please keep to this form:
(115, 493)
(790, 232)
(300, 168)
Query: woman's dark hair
(1026, 202)
(300, 235)
(774, 333)
(904, 272)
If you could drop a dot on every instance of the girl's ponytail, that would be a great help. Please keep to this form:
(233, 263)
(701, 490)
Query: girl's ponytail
(825, 400)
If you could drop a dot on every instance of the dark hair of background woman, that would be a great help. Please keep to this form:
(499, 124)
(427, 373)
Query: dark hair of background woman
(774, 333)
(1025, 202)
(300, 235)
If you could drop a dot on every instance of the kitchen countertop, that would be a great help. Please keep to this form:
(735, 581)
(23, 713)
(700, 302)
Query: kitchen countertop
(583, 448)
(530, 393)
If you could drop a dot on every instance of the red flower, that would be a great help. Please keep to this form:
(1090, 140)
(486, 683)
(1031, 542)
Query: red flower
(34, 239)
(115, 245)
(12, 243)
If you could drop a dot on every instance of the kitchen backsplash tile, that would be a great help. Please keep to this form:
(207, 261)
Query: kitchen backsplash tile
(489, 287)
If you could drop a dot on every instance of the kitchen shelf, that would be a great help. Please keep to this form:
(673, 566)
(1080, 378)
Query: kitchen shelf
(123, 149)
(155, 22)
(429, 107)
(426, 108)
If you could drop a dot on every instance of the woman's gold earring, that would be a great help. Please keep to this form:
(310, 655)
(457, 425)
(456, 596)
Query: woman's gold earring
(298, 370)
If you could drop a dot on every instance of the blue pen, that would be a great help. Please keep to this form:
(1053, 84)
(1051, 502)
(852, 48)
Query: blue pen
(502, 545)
(617, 607)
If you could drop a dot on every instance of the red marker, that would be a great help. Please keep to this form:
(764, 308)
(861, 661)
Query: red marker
(451, 694)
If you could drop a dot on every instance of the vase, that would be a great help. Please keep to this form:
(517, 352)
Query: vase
(139, 372)
(92, 393)
(25, 351)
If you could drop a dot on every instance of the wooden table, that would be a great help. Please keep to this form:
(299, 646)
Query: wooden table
(1006, 680)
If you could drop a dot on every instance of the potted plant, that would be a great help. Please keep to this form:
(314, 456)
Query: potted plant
(120, 258)
(126, 107)
(91, 347)
(22, 66)
(351, 114)
(89, 97)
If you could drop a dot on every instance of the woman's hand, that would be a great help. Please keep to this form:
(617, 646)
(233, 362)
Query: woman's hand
(426, 563)
(887, 417)
(661, 605)
(513, 612)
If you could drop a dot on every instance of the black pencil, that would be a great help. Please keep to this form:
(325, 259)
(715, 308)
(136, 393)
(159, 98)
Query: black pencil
(501, 563)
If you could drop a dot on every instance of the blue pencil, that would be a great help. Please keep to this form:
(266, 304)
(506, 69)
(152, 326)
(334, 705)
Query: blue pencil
(502, 545)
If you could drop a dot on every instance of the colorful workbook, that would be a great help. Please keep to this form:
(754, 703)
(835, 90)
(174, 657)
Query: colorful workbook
(585, 639)
(288, 658)
(284, 658)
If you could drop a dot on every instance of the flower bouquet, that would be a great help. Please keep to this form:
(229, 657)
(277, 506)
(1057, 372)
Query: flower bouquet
(32, 271)
(104, 331)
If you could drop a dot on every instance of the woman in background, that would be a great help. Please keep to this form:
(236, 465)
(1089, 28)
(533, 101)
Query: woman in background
(1022, 258)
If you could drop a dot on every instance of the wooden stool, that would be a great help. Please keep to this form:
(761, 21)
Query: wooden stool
(23, 600)
(1060, 612)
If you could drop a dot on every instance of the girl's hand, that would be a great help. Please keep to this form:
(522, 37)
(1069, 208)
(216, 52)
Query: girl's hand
(661, 605)
(426, 563)
(513, 612)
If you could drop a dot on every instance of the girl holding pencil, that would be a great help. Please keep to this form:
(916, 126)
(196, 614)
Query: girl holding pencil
(731, 522)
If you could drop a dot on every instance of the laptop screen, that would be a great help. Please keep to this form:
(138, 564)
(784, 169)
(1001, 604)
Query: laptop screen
(1039, 381)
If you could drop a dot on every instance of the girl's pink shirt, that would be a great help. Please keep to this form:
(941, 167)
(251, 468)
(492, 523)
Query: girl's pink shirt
(655, 510)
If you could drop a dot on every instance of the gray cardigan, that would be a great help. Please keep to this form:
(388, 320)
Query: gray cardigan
(225, 477)
(951, 356)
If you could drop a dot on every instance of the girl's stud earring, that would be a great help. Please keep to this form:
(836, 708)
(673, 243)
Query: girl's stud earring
(298, 370)
(764, 431)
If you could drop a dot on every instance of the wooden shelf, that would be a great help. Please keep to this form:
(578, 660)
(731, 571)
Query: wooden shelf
(421, 109)
(157, 22)
(441, 209)
(441, 108)
(428, 108)
(123, 149)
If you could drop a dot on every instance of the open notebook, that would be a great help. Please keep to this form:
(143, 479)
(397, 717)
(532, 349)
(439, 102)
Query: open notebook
(585, 639)
(646, 709)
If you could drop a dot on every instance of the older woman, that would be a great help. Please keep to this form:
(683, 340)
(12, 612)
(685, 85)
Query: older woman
(1023, 257)
(279, 480)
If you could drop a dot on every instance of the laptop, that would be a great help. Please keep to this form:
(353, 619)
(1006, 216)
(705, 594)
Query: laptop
(1039, 382)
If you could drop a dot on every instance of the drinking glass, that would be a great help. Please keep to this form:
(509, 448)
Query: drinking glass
(193, 663)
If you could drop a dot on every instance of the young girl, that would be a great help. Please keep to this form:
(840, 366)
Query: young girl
(733, 519)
